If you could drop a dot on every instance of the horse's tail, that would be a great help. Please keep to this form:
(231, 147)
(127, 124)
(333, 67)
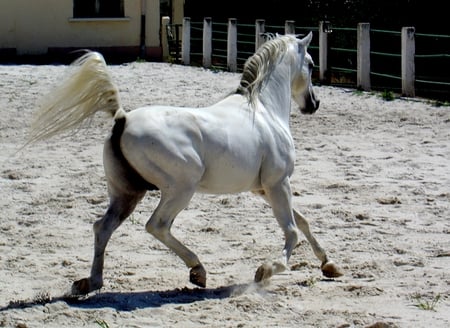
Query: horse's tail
(87, 90)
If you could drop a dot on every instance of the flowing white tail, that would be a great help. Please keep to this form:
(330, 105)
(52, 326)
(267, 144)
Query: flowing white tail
(87, 90)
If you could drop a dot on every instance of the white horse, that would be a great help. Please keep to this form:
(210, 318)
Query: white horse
(242, 143)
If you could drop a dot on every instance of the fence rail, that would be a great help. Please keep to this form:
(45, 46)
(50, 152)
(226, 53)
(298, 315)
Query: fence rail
(359, 57)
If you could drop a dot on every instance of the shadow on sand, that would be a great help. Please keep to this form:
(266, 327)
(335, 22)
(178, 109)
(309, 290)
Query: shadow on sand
(129, 301)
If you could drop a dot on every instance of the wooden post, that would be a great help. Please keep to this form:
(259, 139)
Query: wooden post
(363, 57)
(207, 42)
(165, 20)
(408, 67)
(289, 27)
(232, 45)
(259, 30)
(324, 29)
(186, 41)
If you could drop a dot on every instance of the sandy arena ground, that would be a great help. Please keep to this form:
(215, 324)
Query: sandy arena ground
(372, 176)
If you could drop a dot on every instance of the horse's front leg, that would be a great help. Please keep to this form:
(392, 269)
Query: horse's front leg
(279, 197)
(159, 226)
(118, 210)
(329, 268)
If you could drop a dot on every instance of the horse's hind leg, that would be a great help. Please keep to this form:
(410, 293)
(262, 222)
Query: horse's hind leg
(119, 209)
(329, 269)
(125, 188)
(159, 226)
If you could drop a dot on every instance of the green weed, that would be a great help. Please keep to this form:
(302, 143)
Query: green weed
(133, 219)
(102, 323)
(426, 304)
(387, 95)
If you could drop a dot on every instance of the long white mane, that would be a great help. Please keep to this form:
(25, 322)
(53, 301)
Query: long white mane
(259, 66)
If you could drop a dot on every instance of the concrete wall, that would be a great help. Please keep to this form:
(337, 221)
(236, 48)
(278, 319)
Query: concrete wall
(41, 26)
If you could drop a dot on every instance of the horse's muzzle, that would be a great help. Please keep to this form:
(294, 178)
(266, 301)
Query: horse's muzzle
(311, 104)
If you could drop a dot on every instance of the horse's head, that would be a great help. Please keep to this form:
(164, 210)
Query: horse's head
(302, 89)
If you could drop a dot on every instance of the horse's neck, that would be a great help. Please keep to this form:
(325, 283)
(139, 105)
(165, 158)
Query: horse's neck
(276, 94)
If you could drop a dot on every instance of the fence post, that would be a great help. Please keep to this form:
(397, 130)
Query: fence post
(165, 20)
(363, 57)
(186, 41)
(207, 41)
(289, 27)
(408, 67)
(324, 29)
(232, 45)
(259, 30)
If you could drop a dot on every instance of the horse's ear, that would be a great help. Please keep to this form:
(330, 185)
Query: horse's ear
(268, 36)
(306, 40)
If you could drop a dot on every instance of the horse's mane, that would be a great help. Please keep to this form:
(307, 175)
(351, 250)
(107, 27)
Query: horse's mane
(260, 64)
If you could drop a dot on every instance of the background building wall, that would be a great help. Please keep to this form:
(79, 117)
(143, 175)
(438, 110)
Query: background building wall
(37, 27)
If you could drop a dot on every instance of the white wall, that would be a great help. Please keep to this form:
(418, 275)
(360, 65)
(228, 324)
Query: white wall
(32, 27)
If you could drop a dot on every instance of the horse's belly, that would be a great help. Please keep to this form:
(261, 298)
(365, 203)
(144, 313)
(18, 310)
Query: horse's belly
(226, 178)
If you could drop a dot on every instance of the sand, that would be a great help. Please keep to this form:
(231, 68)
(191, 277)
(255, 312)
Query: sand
(372, 176)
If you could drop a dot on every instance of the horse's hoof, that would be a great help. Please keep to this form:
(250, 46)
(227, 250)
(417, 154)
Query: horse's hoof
(198, 276)
(81, 287)
(331, 270)
(264, 272)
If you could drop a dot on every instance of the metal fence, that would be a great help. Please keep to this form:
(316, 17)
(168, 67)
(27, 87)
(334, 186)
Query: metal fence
(431, 57)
